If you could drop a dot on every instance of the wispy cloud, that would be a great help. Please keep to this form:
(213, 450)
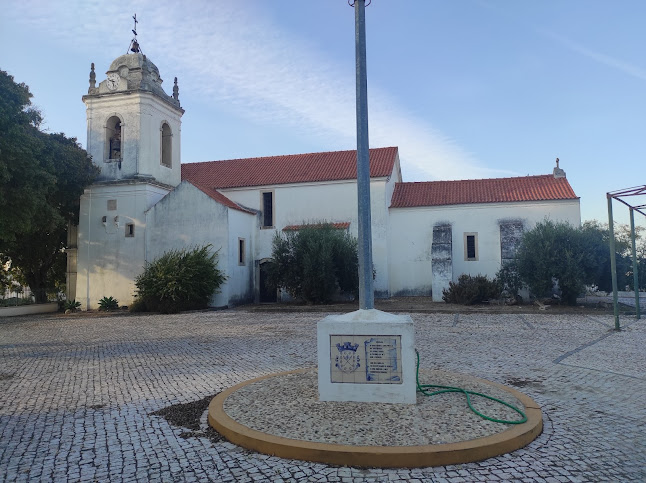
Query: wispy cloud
(230, 53)
(604, 59)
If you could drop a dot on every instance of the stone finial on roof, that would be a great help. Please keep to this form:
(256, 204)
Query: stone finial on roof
(92, 79)
(176, 91)
(558, 172)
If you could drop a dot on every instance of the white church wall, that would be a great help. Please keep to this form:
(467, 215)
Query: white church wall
(296, 204)
(411, 234)
(141, 116)
(380, 200)
(187, 218)
(380, 227)
(108, 258)
(242, 227)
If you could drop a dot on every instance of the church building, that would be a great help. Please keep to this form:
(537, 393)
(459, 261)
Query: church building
(145, 202)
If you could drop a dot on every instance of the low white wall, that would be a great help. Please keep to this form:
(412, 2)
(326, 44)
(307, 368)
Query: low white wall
(28, 309)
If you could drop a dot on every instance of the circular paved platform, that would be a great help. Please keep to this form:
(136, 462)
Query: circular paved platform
(280, 415)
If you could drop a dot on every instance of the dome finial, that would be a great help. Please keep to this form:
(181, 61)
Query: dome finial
(134, 45)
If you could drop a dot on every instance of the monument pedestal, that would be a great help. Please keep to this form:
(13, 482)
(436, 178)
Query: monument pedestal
(367, 356)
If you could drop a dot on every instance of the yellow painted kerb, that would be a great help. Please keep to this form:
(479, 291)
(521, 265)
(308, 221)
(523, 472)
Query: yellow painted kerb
(479, 449)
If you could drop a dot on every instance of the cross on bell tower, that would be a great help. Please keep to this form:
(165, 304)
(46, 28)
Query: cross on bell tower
(134, 45)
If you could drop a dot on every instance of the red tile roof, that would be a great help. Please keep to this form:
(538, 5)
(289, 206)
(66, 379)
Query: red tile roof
(498, 190)
(337, 226)
(220, 198)
(295, 168)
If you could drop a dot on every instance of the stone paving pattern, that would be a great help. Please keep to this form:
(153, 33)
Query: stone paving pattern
(76, 394)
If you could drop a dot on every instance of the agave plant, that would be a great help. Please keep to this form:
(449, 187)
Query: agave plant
(71, 305)
(108, 303)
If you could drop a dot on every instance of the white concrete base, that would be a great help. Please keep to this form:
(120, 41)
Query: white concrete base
(356, 357)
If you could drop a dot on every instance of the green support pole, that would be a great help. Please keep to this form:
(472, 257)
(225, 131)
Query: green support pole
(635, 273)
(613, 262)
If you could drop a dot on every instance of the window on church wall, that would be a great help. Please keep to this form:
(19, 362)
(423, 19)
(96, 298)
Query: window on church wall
(267, 209)
(113, 131)
(471, 246)
(241, 251)
(166, 145)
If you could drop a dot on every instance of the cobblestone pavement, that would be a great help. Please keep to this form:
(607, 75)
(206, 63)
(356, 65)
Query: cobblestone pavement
(76, 394)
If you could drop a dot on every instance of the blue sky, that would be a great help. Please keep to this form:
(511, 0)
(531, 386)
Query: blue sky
(466, 89)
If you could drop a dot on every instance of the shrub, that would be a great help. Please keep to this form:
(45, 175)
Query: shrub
(72, 305)
(137, 305)
(108, 303)
(179, 280)
(471, 290)
(315, 263)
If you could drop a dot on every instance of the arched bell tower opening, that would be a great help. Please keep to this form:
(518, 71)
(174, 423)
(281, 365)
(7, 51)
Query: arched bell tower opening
(113, 139)
(166, 145)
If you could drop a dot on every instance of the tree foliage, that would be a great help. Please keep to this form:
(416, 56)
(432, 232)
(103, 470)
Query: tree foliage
(42, 177)
(572, 257)
(553, 252)
(508, 279)
(641, 270)
(596, 242)
(315, 263)
(179, 280)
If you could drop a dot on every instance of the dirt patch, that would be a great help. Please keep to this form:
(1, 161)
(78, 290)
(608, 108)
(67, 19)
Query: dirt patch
(426, 305)
(517, 382)
(188, 416)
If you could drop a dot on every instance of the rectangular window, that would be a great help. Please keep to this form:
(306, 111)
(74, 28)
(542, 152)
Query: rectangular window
(130, 229)
(268, 209)
(471, 246)
(166, 145)
(241, 251)
(112, 205)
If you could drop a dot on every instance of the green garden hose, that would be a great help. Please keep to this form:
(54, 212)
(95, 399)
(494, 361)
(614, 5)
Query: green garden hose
(444, 389)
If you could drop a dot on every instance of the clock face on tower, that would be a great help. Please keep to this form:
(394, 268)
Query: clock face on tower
(112, 81)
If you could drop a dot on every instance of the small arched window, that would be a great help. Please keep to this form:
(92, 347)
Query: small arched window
(113, 143)
(166, 145)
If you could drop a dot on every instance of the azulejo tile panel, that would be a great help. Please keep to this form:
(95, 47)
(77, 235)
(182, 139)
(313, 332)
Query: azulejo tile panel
(365, 359)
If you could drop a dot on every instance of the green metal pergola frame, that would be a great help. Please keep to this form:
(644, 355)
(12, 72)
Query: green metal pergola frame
(619, 195)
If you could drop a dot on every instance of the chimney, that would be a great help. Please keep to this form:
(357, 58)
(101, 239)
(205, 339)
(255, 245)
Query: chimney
(558, 172)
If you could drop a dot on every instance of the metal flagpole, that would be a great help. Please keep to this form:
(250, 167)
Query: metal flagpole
(366, 288)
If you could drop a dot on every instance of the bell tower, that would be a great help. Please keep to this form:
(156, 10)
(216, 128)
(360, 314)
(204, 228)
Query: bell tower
(133, 135)
(133, 126)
